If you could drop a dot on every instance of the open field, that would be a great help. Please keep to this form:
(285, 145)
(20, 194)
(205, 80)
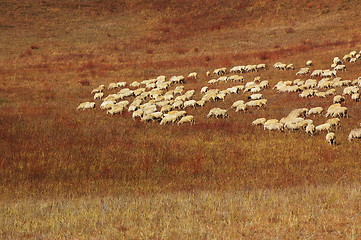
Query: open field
(68, 174)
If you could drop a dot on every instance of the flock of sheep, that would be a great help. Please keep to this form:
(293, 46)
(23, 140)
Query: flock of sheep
(166, 101)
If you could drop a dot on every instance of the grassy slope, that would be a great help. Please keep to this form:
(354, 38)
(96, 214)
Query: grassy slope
(50, 150)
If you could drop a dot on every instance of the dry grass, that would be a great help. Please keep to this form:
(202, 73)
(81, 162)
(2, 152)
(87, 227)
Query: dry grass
(83, 175)
(296, 213)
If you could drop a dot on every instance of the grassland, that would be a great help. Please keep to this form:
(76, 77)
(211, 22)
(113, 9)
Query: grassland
(84, 175)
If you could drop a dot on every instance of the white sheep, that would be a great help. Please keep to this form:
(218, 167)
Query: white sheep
(259, 121)
(137, 114)
(98, 95)
(98, 89)
(115, 110)
(192, 75)
(204, 89)
(331, 138)
(112, 86)
(241, 107)
(257, 103)
(190, 103)
(331, 92)
(217, 112)
(338, 99)
(355, 97)
(334, 122)
(310, 129)
(271, 121)
(107, 104)
(273, 126)
(261, 66)
(186, 119)
(315, 111)
(354, 133)
(135, 84)
(309, 63)
(323, 127)
(86, 105)
(255, 96)
(121, 84)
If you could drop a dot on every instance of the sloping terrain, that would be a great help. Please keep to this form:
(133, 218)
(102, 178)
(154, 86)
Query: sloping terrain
(52, 54)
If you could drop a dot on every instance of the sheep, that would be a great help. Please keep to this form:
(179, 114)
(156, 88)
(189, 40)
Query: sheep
(115, 110)
(166, 108)
(86, 105)
(331, 138)
(186, 119)
(354, 133)
(340, 68)
(201, 103)
(137, 114)
(280, 66)
(337, 61)
(340, 112)
(334, 122)
(112, 86)
(257, 103)
(256, 96)
(320, 94)
(329, 73)
(156, 116)
(178, 114)
(217, 112)
(192, 75)
(208, 73)
(290, 67)
(168, 119)
(121, 84)
(135, 84)
(190, 103)
(98, 95)
(220, 96)
(264, 84)
(271, 121)
(241, 107)
(298, 112)
(204, 89)
(273, 127)
(220, 71)
(236, 103)
(259, 121)
(315, 111)
(310, 129)
(212, 81)
(107, 104)
(330, 92)
(177, 79)
(297, 125)
(309, 63)
(261, 66)
(307, 93)
(355, 97)
(323, 127)
(338, 99)
(178, 90)
(303, 71)
(98, 89)
(177, 104)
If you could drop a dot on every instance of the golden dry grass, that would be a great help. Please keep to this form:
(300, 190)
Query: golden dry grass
(85, 175)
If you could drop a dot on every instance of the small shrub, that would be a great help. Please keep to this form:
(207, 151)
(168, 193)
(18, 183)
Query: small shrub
(84, 82)
(34, 47)
(290, 30)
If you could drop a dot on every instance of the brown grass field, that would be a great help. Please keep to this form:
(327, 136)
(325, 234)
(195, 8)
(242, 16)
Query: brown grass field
(68, 174)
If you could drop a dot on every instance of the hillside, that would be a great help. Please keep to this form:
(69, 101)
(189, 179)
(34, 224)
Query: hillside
(70, 174)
